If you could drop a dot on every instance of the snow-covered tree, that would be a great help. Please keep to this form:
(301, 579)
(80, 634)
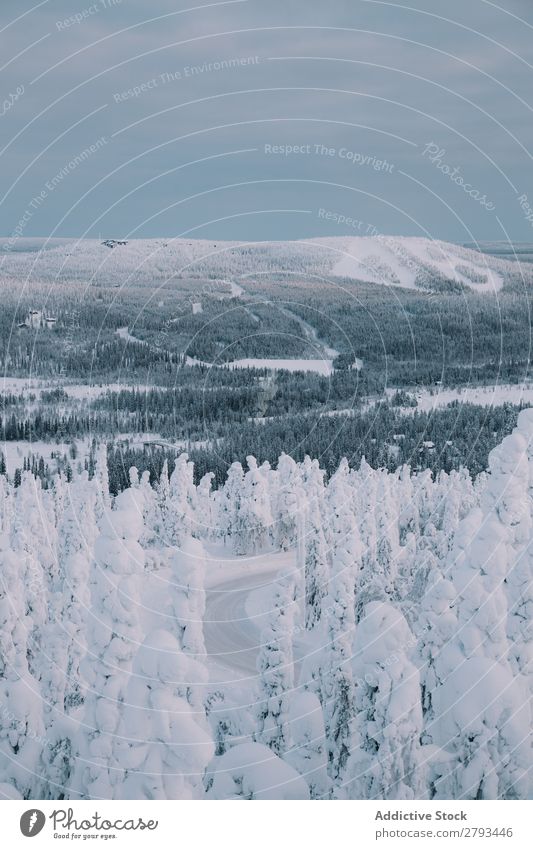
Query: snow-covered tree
(162, 503)
(308, 752)
(488, 542)
(113, 637)
(22, 729)
(33, 530)
(435, 629)
(229, 502)
(205, 512)
(101, 476)
(276, 669)
(37, 582)
(316, 566)
(483, 719)
(7, 506)
(78, 531)
(336, 687)
(382, 559)
(518, 583)
(387, 760)
(288, 503)
(181, 501)
(253, 771)
(22, 734)
(160, 746)
(13, 622)
(151, 518)
(253, 520)
(188, 595)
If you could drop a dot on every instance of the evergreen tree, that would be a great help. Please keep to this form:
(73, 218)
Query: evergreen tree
(182, 497)
(316, 566)
(22, 729)
(276, 670)
(161, 747)
(388, 761)
(253, 520)
(308, 752)
(188, 596)
(229, 502)
(288, 504)
(114, 635)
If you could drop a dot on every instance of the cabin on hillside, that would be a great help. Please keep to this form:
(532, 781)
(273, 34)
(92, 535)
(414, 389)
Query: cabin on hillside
(114, 243)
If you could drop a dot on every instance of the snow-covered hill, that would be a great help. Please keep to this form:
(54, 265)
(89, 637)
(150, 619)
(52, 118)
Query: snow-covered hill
(408, 262)
(412, 263)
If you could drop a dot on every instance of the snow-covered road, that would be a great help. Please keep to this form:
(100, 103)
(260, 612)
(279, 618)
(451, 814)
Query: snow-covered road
(231, 637)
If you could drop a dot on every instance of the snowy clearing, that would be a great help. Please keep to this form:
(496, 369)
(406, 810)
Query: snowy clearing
(323, 367)
(484, 396)
(76, 391)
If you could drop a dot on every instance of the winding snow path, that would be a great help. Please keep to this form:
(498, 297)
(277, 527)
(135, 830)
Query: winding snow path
(232, 636)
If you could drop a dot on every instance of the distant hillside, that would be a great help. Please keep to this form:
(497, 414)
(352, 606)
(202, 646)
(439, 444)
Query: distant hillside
(406, 262)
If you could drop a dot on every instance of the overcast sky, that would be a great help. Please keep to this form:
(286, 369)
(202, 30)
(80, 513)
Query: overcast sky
(403, 121)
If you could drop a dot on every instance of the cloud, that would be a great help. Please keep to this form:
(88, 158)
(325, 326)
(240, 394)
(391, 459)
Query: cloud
(364, 75)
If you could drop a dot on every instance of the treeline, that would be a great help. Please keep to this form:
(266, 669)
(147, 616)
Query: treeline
(204, 402)
(450, 438)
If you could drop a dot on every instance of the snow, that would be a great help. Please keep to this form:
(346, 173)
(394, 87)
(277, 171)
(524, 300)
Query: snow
(21, 385)
(494, 395)
(481, 693)
(253, 771)
(319, 366)
(323, 367)
(370, 640)
(393, 260)
(193, 361)
(124, 333)
(15, 451)
(232, 623)
(397, 261)
(77, 391)
(7, 791)
(235, 289)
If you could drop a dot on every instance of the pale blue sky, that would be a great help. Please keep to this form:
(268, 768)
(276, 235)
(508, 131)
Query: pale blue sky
(374, 82)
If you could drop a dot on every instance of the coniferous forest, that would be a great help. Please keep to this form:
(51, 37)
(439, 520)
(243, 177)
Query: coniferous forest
(252, 548)
(386, 655)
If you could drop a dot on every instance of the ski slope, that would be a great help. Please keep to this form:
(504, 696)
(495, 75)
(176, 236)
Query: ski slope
(410, 263)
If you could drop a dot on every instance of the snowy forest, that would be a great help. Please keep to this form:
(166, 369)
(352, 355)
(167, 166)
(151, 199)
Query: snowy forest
(337, 347)
(266, 416)
(386, 652)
